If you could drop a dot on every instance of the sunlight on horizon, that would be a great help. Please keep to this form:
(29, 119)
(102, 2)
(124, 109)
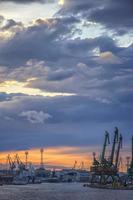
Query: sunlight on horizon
(54, 156)
(15, 87)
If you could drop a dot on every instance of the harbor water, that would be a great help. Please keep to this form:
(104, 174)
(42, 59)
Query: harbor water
(61, 191)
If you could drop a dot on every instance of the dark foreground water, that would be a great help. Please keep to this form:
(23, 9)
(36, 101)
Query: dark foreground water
(65, 191)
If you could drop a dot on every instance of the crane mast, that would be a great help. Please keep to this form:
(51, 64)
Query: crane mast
(75, 165)
(114, 144)
(106, 142)
(11, 163)
(130, 168)
(131, 165)
(118, 151)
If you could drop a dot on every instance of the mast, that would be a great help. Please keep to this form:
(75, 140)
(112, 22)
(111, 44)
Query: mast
(42, 163)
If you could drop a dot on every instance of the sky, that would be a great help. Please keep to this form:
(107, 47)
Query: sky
(66, 75)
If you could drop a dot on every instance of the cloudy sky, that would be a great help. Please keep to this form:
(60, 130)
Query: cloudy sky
(66, 73)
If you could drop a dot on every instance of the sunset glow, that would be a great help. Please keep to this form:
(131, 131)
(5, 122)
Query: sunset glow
(14, 87)
(54, 157)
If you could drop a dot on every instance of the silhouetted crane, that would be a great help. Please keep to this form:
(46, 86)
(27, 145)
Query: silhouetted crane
(118, 151)
(105, 170)
(130, 169)
(11, 163)
(115, 141)
(106, 143)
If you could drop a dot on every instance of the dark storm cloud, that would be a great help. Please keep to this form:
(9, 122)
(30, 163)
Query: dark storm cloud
(54, 48)
(72, 123)
(48, 51)
(115, 15)
(42, 41)
(67, 61)
(52, 41)
(60, 75)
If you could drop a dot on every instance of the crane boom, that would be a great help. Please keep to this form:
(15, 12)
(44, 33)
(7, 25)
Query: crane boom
(131, 165)
(118, 151)
(11, 162)
(106, 142)
(114, 144)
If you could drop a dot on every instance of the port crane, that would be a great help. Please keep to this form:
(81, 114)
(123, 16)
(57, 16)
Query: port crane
(130, 168)
(104, 161)
(20, 164)
(75, 164)
(98, 166)
(11, 163)
(118, 152)
(104, 171)
(115, 141)
(81, 166)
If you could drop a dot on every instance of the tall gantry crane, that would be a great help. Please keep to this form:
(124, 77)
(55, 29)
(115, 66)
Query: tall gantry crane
(130, 169)
(11, 163)
(115, 141)
(106, 143)
(106, 170)
(19, 163)
(118, 151)
(75, 164)
(99, 165)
